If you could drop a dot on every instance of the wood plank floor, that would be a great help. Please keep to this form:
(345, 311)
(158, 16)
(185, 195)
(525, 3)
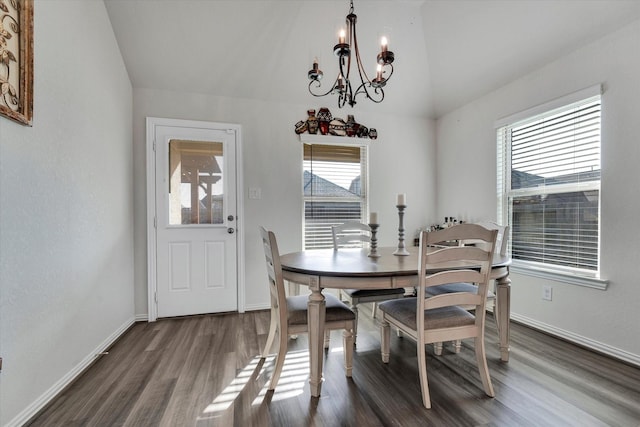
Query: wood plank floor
(203, 371)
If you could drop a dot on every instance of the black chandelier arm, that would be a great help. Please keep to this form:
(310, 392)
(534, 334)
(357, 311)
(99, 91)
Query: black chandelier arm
(319, 85)
(366, 88)
(361, 71)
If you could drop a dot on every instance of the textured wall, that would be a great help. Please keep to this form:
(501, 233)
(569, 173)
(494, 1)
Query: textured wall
(605, 319)
(66, 215)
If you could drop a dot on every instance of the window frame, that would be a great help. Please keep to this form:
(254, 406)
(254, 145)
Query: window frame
(364, 178)
(577, 276)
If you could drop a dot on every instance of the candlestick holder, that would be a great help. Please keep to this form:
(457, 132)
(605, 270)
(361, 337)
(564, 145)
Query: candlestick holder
(401, 251)
(373, 247)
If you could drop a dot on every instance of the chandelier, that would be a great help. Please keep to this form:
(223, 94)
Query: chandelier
(344, 84)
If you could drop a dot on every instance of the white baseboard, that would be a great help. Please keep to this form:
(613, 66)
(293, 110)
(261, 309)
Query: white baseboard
(142, 317)
(67, 379)
(614, 352)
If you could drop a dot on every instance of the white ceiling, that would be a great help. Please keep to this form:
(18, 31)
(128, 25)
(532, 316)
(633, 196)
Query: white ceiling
(448, 52)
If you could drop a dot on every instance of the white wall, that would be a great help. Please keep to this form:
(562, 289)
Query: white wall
(401, 160)
(66, 215)
(607, 320)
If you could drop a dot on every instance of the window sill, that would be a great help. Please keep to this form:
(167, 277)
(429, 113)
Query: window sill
(572, 279)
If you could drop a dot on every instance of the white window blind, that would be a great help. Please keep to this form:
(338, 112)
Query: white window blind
(334, 190)
(549, 186)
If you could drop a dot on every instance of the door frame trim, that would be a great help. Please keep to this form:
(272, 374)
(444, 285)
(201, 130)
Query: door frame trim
(152, 122)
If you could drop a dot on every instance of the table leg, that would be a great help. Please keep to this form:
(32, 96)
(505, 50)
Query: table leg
(316, 312)
(503, 308)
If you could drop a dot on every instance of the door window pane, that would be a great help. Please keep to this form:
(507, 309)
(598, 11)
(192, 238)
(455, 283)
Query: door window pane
(196, 185)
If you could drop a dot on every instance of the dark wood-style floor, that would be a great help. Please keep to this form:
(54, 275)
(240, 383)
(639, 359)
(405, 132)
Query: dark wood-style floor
(203, 371)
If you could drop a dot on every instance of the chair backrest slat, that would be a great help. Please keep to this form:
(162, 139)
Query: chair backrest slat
(454, 298)
(502, 239)
(350, 234)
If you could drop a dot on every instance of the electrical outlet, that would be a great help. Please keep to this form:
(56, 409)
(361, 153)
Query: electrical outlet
(547, 293)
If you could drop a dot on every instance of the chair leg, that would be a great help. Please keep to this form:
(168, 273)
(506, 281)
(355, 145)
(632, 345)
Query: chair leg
(294, 289)
(437, 348)
(354, 307)
(347, 338)
(344, 297)
(385, 332)
(282, 353)
(483, 367)
(495, 314)
(327, 338)
(374, 310)
(458, 346)
(422, 368)
(272, 334)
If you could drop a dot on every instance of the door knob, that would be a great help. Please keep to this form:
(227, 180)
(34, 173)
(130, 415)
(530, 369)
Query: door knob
(230, 230)
(231, 217)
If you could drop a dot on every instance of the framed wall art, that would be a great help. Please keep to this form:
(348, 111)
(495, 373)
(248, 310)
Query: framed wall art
(16, 60)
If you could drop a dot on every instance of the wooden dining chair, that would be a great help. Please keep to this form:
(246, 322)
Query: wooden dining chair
(355, 234)
(444, 317)
(501, 246)
(289, 314)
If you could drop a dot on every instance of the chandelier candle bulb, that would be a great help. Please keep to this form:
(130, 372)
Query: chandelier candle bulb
(341, 37)
(315, 74)
(401, 199)
(384, 43)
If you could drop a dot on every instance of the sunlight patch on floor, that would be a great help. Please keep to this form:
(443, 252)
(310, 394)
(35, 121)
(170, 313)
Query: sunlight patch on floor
(225, 399)
(293, 379)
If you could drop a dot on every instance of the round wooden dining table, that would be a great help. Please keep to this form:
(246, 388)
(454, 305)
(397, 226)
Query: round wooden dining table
(354, 269)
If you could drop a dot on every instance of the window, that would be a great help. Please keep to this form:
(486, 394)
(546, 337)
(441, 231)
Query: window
(549, 187)
(335, 190)
(196, 186)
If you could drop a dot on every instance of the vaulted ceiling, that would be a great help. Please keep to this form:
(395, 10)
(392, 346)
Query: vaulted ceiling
(448, 52)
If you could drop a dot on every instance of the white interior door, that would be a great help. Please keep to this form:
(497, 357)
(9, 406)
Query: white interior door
(195, 193)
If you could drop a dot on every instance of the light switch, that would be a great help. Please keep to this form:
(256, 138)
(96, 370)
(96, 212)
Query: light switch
(255, 193)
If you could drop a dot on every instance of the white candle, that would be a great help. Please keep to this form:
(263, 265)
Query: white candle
(373, 218)
(402, 199)
(342, 37)
(384, 44)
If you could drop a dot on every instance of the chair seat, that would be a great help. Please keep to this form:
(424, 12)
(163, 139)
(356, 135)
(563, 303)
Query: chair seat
(404, 310)
(361, 293)
(336, 310)
(456, 287)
